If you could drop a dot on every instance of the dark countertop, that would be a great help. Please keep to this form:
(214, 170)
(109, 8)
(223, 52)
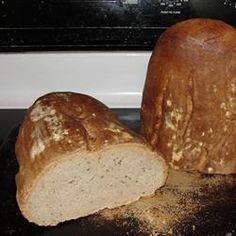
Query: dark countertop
(10, 118)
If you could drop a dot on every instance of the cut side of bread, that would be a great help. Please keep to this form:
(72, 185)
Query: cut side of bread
(82, 184)
(76, 158)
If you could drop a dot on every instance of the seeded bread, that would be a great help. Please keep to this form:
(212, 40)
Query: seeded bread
(189, 100)
(76, 158)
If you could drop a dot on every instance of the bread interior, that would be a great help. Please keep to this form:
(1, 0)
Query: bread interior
(82, 184)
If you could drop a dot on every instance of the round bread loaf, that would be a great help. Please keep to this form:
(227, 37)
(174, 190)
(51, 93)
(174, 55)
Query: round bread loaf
(189, 100)
(76, 158)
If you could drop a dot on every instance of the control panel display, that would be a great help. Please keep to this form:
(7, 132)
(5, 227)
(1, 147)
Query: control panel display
(100, 24)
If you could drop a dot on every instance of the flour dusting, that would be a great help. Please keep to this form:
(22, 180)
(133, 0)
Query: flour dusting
(38, 145)
(40, 111)
(55, 126)
(53, 123)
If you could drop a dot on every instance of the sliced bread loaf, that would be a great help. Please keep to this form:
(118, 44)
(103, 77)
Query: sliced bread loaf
(76, 158)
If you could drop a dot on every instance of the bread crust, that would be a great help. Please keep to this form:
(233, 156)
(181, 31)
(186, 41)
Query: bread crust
(58, 125)
(189, 100)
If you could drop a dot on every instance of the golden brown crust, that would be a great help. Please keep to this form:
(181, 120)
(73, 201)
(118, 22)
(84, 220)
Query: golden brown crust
(61, 123)
(189, 100)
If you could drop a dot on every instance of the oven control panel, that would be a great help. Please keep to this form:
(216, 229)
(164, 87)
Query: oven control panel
(100, 24)
(172, 7)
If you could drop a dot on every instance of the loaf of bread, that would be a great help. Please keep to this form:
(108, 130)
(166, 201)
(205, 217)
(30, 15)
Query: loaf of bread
(76, 158)
(189, 100)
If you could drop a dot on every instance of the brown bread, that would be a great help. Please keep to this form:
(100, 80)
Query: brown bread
(189, 101)
(76, 158)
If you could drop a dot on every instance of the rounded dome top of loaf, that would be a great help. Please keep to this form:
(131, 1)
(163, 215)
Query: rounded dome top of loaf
(189, 100)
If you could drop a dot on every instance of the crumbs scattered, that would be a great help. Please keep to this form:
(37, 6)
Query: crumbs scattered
(174, 206)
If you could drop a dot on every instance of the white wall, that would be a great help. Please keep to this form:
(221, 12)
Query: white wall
(115, 78)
